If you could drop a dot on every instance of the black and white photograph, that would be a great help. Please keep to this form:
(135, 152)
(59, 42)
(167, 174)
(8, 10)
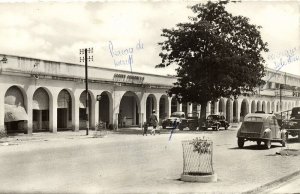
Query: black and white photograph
(149, 96)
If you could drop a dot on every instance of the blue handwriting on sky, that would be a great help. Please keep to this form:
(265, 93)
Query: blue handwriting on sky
(124, 56)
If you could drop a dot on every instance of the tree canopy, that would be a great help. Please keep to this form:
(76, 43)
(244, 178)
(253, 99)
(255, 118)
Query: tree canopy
(218, 54)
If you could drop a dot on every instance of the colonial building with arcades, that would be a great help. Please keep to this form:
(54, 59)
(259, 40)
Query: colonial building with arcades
(41, 95)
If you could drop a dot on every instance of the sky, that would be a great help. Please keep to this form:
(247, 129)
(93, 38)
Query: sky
(125, 34)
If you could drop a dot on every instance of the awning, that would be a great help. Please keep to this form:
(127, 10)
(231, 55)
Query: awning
(15, 113)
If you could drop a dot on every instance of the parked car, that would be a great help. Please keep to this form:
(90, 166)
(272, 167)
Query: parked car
(215, 121)
(174, 120)
(261, 128)
(292, 125)
(191, 121)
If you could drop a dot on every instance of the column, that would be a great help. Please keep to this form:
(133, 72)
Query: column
(189, 107)
(53, 113)
(169, 101)
(95, 113)
(208, 107)
(93, 117)
(216, 107)
(75, 113)
(29, 113)
(179, 107)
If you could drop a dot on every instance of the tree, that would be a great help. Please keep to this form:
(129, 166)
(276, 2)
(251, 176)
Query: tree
(218, 55)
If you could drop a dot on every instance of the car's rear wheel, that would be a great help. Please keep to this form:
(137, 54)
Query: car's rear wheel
(268, 144)
(258, 142)
(226, 127)
(164, 127)
(241, 142)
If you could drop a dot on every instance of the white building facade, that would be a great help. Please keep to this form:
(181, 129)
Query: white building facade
(39, 95)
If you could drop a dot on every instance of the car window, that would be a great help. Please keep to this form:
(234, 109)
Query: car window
(253, 118)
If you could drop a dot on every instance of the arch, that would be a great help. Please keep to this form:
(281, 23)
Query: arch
(273, 108)
(259, 106)
(253, 106)
(82, 110)
(64, 110)
(222, 107)
(277, 106)
(163, 107)
(151, 104)
(129, 110)
(40, 110)
(289, 106)
(105, 108)
(244, 109)
(15, 114)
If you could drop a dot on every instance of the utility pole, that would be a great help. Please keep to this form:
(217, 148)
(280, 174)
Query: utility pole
(85, 59)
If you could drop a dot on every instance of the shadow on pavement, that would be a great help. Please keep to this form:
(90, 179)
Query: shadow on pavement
(254, 147)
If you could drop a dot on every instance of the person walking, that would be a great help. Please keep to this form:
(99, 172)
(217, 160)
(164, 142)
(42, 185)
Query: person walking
(154, 122)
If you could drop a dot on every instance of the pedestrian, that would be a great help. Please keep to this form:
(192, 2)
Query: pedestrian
(153, 121)
(145, 128)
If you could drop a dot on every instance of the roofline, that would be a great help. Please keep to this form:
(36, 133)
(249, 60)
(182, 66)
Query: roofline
(77, 64)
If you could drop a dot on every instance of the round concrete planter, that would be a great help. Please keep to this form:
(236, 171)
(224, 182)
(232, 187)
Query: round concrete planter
(199, 178)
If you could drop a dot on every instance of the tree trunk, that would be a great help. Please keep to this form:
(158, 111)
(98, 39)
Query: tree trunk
(202, 115)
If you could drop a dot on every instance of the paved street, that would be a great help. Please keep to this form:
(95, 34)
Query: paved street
(131, 163)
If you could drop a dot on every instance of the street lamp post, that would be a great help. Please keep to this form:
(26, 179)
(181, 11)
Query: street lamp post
(85, 59)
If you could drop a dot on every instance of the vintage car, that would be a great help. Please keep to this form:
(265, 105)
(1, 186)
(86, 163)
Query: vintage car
(215, 121)
(174, 120)
(261, 127)
(191, 121)
(292, 125)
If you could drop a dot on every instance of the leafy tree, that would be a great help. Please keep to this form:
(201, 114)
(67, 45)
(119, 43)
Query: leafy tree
(218, 55)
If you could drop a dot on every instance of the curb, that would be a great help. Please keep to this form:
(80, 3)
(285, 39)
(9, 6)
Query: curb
(273, 184)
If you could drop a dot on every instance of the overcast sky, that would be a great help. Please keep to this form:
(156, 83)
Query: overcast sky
(56, 31)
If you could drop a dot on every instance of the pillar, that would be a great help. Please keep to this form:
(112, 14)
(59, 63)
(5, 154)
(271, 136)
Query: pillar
(179, 107)
(75, 112)
(53, 113)
(95, 113)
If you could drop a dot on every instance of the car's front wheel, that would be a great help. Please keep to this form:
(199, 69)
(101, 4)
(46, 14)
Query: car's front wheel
(241, 142)
(268, 144)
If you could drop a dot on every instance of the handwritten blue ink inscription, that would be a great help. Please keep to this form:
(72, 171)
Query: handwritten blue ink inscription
(284, 58)
(123, 56)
